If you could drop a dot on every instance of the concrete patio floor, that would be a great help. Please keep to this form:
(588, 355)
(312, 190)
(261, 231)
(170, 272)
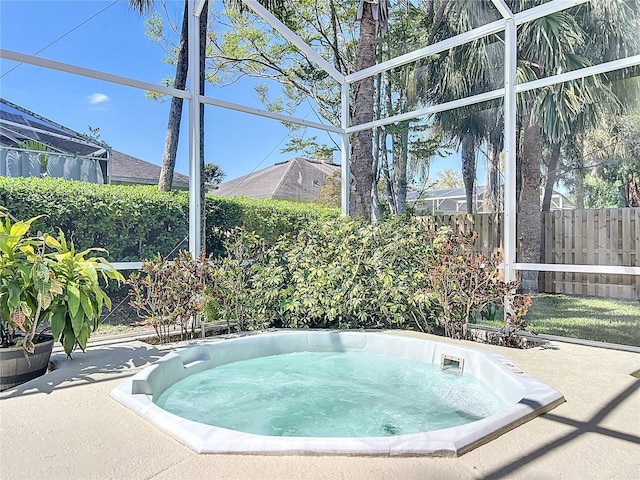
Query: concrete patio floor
(64, 425)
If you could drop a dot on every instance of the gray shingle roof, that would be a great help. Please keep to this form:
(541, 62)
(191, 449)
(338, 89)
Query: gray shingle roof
(297, 179)
(132, 170)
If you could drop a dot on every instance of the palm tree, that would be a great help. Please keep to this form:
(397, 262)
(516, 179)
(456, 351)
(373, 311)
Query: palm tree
(547, 45)
(175, 110)
(373, 18)
(460, 72)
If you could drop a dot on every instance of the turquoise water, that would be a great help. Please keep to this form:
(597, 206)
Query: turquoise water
(330, 395)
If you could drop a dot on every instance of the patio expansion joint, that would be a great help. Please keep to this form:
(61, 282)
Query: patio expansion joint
(470, 468)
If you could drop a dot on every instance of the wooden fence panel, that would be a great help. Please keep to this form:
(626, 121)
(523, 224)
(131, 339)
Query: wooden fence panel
(570, 237)
(593, 237)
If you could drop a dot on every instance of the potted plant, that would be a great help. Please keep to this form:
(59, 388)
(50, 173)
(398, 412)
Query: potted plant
(48, 292)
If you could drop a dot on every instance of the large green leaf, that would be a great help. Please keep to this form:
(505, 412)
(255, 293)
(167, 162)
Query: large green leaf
(87, 305)
(15, 291)
(68, 340)
(73, 294)
(58, 321)
(78, 321)
(83, 337)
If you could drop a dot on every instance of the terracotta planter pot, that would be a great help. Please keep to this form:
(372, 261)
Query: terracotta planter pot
(17, 368)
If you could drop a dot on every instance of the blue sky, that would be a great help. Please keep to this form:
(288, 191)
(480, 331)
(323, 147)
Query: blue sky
(114, 41)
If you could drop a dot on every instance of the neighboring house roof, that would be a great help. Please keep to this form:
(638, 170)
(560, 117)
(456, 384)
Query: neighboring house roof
(297, 179)
(18, 124)
(129, 170)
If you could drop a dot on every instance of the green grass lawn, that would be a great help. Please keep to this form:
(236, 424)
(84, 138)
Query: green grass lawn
(604, 320)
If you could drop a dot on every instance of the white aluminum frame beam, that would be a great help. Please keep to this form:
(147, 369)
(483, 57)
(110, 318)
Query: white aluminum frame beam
(508, 24)
(545, 9)
(87, 72)
(456, 41)
(466, 37)
(482, 97)
(265, 113)
(580, 73)
(199, 7)
(553, 80)
(268, 17)
(503, 8)
(561, 267)
(345, 183)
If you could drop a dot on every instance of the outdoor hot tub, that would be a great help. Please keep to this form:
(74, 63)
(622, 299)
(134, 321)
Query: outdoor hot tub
(521, 396)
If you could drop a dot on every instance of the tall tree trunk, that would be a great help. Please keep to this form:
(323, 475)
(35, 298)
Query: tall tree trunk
(579, 173)
(362, 157)
(469, 168)
(175, 110)
(391, 196)
(376, 211)
(519, 130)
(202, 58)
(400, 168)
(529, 218)
(552, 175)
(492, 190)
(401, 150)
(392, 191)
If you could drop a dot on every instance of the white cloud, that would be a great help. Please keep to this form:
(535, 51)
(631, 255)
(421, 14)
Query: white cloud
(97, 98)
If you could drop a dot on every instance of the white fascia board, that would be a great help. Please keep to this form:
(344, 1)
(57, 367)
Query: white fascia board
(545, 9)
(268, 17)
(87, 72)
(466, 37)
(556, 267)
(482, 97)
(503, 8)
(265, 113)
(580, 73)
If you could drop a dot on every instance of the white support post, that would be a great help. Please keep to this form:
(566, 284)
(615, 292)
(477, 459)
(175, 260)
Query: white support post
(510, 202)
(195, 240)
(345, 156)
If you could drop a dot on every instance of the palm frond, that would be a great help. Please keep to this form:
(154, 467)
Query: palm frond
(141, 6)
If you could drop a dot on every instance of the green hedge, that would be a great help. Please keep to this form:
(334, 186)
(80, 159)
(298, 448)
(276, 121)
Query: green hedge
(270, 219)
(137, 222)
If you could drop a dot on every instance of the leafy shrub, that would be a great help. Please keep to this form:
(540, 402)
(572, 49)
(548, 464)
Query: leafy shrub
(168, 292)
(230, 293)
(44, 279)
(345, 273)
(467, 283)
